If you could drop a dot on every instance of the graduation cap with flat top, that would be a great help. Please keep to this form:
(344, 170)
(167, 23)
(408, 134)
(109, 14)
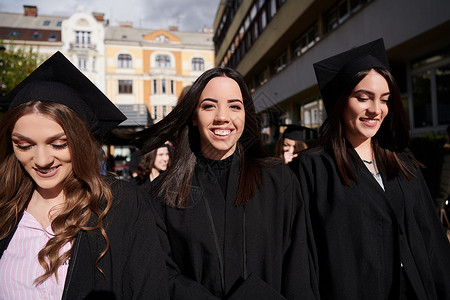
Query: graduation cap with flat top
(334, 73)
(58, 80)
(293, 132)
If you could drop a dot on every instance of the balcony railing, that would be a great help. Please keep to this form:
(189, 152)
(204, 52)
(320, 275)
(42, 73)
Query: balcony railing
(80, 46)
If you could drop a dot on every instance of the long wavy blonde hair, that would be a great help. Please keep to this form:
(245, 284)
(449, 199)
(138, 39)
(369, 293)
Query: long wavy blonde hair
(87, 195)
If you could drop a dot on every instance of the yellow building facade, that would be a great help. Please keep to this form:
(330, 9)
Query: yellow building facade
(153, 67)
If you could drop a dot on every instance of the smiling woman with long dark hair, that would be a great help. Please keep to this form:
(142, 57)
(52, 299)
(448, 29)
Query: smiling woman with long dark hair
(375, 227)
(231, 220)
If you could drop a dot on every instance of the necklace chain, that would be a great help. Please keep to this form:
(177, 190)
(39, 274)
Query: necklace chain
(368, 162)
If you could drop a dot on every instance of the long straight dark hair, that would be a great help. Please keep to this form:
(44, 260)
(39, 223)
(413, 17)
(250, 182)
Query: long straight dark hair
(391, 139)
(177, 126)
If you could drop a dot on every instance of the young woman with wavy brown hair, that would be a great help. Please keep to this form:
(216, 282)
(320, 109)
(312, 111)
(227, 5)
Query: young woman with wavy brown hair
(91, 234)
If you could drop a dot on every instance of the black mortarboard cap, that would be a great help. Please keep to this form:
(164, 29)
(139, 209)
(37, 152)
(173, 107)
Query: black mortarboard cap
(335, 72)
(293, 132)
(58, 80)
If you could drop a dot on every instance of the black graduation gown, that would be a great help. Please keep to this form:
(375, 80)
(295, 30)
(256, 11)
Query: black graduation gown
(133, 266)
(363, 234)
(278, 261)
(144, 185)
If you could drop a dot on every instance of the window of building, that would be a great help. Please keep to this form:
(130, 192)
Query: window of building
(82, 63)
(163, 86)
(430, 79)
(52, 37)
(162, 39)
(263, 19)
(344, 12)
(163, 61)
(124, 61)
(422, 99)
(36, 35)
(46, 23)
(257, 19)
(59, 23)
(155, 85)
(313, 114)
(261, 78)
(164, 111)
(172, 87)
(443, 94)
(155, 112)
(13, 33)
(255, 32)
(341, 11)
(272, 8)
(306, 40)
(198, 64)
(225, 22)
(356, 4)
(247, 23)
(253, 12)
(279, 63)
(82, 39)
(125, 86)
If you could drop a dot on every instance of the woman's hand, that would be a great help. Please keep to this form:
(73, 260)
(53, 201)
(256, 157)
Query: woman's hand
(289, 156)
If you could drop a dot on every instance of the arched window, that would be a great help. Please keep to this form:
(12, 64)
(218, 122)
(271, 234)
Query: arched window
(124, 61)
(163, 61)
(198, 64)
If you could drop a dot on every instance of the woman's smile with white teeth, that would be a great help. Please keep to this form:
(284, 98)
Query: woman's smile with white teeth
(45, 171)
(222, 131)
(369, 120)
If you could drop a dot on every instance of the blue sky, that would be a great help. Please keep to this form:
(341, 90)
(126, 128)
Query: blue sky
(188, 15)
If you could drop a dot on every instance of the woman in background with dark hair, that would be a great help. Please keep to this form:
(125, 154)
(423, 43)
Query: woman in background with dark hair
(66, 232)
(291, 144)
(231, 221)
(375, 227)
(151, 166)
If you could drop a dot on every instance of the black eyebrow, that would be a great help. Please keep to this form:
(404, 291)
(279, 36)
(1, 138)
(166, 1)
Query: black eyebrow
(215, 101)
(370, 93)
(209, 99)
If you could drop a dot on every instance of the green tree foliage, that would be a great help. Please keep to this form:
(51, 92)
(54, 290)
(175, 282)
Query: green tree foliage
(16, 63)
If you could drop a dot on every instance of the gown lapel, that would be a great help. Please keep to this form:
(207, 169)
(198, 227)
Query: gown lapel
(393, 198)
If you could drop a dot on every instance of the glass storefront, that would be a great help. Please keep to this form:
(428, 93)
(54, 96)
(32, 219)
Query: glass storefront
(430, 83)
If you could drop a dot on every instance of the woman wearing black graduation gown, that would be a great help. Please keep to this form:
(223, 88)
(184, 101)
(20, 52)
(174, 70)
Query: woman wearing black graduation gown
(375, 226)
(290, 144)
(66, 232)
(152, 164)
(231, 221)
